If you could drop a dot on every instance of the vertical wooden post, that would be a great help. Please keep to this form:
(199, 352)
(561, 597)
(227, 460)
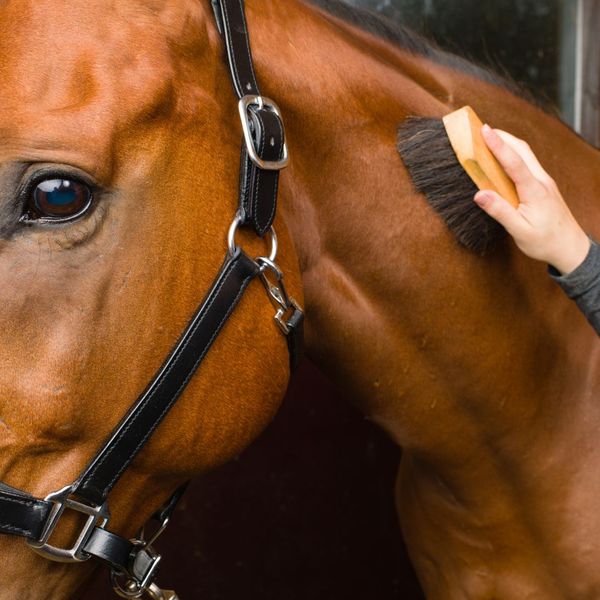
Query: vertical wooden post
(590, 80)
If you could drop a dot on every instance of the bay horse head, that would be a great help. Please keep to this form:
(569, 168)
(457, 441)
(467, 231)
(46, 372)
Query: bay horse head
(119, 176)
(118, 181)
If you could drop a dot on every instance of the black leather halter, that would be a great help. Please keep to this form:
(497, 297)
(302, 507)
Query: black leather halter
(133, 563)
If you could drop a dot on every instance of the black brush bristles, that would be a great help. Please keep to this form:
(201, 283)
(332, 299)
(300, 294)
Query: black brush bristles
(427, 154)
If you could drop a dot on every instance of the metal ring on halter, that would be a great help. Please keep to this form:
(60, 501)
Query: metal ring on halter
(233, 247)
(267, 263)
(152, 591)
(130, 588)
(144, 564)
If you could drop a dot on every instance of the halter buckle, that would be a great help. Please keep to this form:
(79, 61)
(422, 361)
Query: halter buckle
(263, 103)
(97, 516)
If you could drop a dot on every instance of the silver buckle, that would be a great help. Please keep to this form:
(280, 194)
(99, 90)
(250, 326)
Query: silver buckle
(97, 517)
(261, 102)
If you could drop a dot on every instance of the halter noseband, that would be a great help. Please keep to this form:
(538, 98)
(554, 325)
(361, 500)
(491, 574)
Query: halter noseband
(134, 563)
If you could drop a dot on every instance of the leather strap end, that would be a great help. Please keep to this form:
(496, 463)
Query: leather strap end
(295, 338)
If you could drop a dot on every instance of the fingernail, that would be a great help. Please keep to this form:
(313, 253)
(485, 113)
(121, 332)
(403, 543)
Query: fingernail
(483, 197)
(486, 129)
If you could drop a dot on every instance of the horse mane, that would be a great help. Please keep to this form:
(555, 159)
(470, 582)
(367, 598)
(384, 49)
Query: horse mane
(422, 142)
(385, 28)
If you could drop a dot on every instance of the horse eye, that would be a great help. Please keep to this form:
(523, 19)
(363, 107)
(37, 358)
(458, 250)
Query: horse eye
(58, 200)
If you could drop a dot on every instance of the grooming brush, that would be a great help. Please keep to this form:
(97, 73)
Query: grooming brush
(463, 128)
(448, 161)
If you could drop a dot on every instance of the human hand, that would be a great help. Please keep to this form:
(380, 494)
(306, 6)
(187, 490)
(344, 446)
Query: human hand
(542, 226)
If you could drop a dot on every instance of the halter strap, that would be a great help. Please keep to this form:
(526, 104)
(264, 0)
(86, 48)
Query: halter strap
(22, 514)
(145, 415)
(231, 23)
(264, 153)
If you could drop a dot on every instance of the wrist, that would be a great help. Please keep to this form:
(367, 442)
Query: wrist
(571, 253)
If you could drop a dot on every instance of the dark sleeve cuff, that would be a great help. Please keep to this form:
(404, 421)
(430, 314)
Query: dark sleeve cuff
(584, 277)
(583, 285)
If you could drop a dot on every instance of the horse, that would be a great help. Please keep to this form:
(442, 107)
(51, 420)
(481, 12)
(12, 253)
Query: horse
(477, 366)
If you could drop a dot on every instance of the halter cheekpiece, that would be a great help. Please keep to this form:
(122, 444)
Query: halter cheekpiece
(133, 563)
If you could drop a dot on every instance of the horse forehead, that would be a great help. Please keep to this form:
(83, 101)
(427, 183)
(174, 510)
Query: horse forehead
(70, 66)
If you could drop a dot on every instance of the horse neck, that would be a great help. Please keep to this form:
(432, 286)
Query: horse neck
(375, 258)
(343, 94)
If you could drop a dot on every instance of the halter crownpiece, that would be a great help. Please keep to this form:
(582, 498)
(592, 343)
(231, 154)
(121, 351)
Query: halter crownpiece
(134, 562)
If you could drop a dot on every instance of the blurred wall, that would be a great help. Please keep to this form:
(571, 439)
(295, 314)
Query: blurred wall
(306, 513)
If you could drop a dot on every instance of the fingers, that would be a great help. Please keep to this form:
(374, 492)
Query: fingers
(499, 209)
(542, 226)
(513, 162)
(523, 149)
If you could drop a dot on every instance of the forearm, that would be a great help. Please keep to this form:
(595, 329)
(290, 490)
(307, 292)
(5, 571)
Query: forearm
(583, 285)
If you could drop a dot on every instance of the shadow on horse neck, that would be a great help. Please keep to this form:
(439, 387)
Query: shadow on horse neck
(478, 367)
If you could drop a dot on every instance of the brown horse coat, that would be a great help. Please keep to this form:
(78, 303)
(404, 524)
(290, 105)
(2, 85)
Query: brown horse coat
(479, 367)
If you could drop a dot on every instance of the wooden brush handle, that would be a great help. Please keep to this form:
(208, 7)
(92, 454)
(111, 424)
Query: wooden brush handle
(463, 127)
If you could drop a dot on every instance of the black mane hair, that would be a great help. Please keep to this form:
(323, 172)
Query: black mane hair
(381, 26)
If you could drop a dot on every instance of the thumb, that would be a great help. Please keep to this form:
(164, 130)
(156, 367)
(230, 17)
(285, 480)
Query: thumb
(499, 209)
